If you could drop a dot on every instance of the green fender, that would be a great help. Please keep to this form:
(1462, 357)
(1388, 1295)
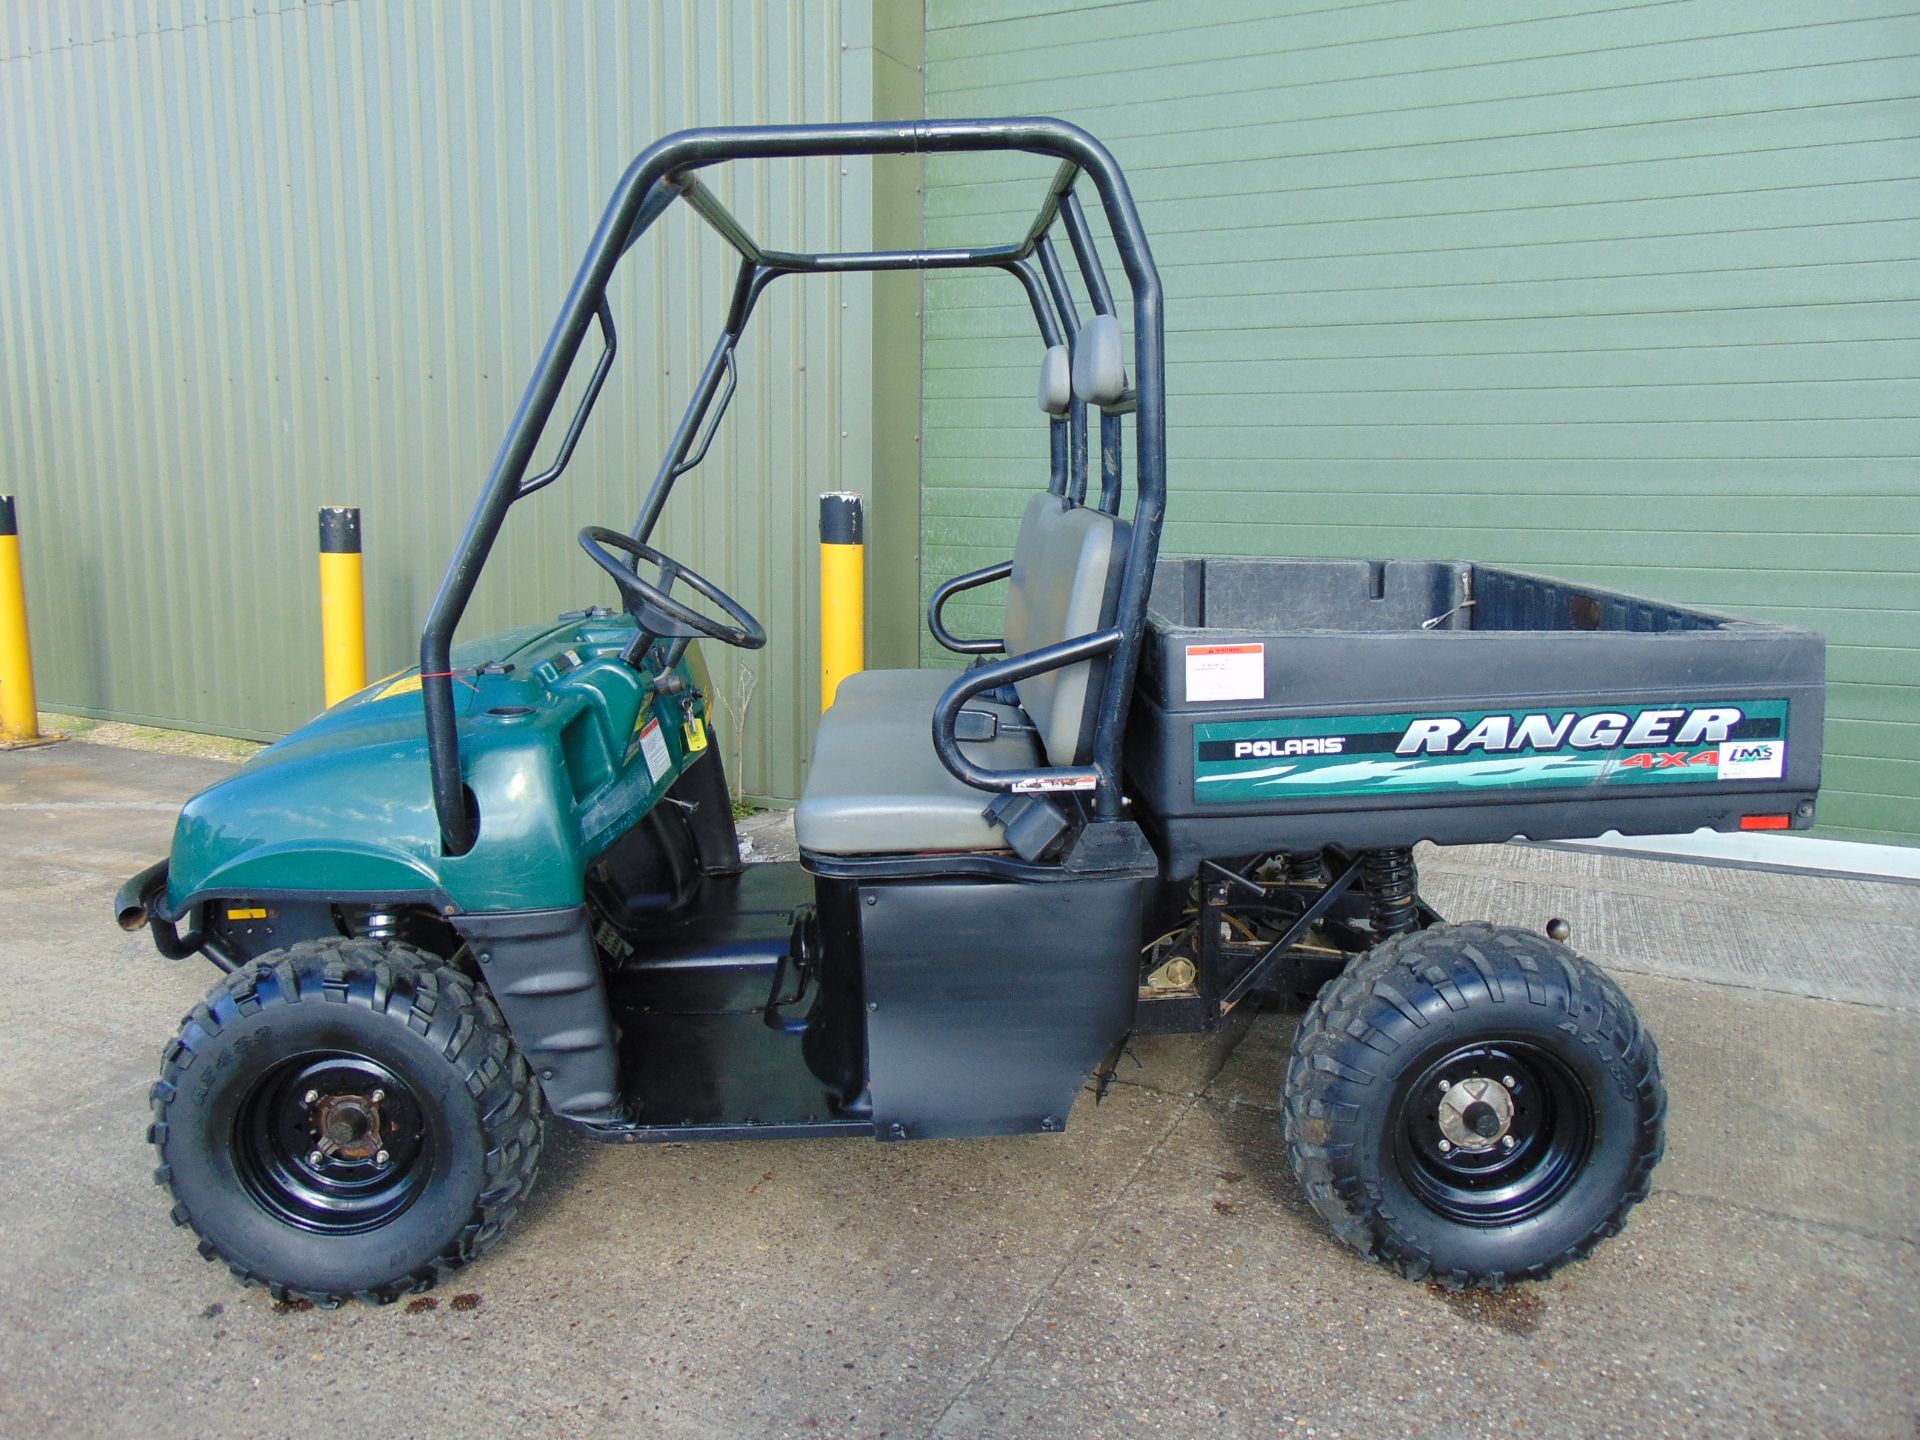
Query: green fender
(563, 745)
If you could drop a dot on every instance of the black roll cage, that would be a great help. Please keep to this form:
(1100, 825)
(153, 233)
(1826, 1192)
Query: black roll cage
(667, 171)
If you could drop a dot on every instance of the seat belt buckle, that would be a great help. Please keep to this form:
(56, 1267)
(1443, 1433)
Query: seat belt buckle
(976, 725)
(1035, 824)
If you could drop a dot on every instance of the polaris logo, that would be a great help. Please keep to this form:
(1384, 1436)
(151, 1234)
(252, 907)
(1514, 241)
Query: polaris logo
(1280, 749)
(1599, 730)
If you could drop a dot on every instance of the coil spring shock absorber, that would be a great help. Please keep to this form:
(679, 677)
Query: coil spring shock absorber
(1305, 867)
(405, 925)
(380, 925)
(1393, 890)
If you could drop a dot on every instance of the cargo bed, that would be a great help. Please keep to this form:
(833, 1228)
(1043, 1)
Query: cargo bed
(1292, 704)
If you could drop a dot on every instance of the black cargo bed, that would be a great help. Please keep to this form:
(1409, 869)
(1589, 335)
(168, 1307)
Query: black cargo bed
(1291, 704)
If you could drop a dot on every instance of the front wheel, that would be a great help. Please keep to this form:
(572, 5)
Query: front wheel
(344, 1118)
(1475, 1104)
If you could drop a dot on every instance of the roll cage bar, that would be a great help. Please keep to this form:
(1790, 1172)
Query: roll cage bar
(668, 171)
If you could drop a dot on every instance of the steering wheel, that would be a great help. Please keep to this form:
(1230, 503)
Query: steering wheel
(654, 608)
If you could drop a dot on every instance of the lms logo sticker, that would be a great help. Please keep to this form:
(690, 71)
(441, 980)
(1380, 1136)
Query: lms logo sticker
(1752, 759)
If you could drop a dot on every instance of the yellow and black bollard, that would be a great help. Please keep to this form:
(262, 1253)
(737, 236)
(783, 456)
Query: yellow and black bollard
(19, 708)
(343, 620)
(843, 591)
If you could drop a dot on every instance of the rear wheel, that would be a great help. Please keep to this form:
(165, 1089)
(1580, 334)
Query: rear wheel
(1475, 1104)
(345, 1118)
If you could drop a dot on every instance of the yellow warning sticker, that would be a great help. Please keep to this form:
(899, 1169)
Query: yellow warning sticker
(253, 913)
(406, 685)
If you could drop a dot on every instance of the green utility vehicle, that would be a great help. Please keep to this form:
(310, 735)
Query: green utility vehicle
(505, 889)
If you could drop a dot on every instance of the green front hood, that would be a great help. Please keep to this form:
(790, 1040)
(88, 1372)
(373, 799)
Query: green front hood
(552, 725)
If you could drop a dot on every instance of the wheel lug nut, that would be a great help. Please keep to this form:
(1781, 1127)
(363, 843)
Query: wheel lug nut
(312, 1097)
(1445, 1147)
(378, 1096)
(1445, 1086)
(1506, 1142)
(316, 1158)
(381, 1158)
(1506, 1080)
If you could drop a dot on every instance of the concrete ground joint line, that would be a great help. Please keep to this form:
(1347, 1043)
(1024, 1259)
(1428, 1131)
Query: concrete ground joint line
(1468, 858)
(1895, 1004)
(1149, 1088)
(1227, 1104)
(1900, 898)
(1817, 856)
(1695, 1197)
(1041, 1291)
(1746, 905)
(1226, 1056)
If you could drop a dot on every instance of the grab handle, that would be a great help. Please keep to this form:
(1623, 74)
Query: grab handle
(552, 473)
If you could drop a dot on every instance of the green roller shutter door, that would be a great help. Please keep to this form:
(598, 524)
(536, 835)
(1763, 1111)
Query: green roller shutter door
(1628, 295)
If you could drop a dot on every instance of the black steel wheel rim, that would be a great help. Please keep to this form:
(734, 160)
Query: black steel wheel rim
(1551, 1128)
(282, 1134)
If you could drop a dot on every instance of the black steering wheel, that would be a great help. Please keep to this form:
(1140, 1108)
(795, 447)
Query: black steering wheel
(653, 607)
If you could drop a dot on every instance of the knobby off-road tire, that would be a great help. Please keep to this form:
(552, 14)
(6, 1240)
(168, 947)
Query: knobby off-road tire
(1483, 1006)
(458, 1120)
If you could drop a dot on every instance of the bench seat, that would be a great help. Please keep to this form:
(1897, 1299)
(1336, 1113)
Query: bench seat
(876, 786)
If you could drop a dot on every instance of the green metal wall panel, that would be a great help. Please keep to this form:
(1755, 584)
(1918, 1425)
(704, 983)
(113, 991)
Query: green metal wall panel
(257, 257)
(1628, 294)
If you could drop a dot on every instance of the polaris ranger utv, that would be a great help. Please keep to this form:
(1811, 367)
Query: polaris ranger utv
(505, 887)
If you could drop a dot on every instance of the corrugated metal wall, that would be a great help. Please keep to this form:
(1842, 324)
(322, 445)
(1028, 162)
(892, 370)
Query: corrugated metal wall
(1628, 294)
(260, 255)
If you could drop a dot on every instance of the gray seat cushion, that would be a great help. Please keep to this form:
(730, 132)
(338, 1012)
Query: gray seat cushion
(876, 787)
(1064, 584)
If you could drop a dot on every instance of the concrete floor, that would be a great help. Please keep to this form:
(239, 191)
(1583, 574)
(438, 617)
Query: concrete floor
(1154, 1271)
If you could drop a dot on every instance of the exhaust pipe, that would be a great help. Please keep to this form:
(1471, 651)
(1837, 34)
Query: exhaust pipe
(130, 902)
(135, 906)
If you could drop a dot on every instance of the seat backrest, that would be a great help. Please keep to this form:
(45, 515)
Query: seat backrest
(1031, 556)
(1065, 583)
(1042, 514)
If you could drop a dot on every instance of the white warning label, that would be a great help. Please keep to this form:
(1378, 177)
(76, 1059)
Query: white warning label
(1227, 672)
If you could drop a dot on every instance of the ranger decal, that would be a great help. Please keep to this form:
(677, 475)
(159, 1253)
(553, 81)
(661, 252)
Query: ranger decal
(1242, 760)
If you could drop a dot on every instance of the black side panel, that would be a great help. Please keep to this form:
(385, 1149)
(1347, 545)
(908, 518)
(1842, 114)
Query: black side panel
(990, 1004)
(703, 789)
(546, 979)
(836, 1040)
